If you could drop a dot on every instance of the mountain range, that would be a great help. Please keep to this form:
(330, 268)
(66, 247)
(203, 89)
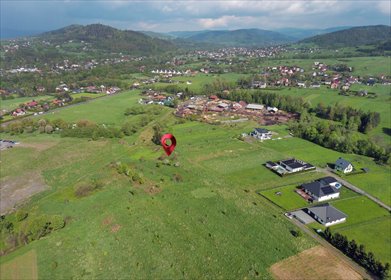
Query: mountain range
(110, 39)
(102, 38)
(354, 36)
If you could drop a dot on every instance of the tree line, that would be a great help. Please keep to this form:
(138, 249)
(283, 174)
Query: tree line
(358, 253)
(362, 121)
(337, 136)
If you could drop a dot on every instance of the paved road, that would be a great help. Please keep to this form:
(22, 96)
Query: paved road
(354, 188)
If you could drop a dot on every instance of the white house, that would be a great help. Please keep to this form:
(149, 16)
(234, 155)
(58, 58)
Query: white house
(327, 215)
(272, 109)
(261, 133)
(343, 165)
(322, 189)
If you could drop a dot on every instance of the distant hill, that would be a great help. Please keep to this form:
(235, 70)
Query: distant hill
(352, 37)
(163, 36)
(301, 33)
(186, 34)
(242, 37)
(106, 38)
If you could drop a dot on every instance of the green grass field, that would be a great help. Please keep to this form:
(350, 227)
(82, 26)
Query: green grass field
(209, 224)
(11, 104)
(374, 234)
(288, 199)
(366, 222)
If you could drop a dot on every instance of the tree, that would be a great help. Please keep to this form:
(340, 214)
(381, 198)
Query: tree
(157, 133)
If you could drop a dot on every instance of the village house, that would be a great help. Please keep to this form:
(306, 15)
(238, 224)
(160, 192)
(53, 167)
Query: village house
(272, 109)
(261, 134)
(343, 165)
(18, 112)
(289, 166)
(326, 214)
(32, 104)
(322, 189)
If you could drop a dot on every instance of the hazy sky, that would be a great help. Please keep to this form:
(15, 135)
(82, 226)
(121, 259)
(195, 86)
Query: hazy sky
(191, 15)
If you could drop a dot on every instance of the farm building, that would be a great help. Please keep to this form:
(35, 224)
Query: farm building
(343, 165)
(322, 189)
(261, 133)
(327, 215)
(254, 106)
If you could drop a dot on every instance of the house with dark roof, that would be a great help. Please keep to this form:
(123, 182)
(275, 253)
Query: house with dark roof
(343, 165)
(261, 133)
(295, 165)
(326, 214)
(322, 189)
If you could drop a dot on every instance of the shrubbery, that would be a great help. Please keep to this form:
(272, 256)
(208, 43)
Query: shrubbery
(357, 253)
(86, 188)
(21, 228)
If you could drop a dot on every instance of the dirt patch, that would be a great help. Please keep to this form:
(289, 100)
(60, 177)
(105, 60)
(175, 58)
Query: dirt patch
(22, 267)
(14, 191)
(39, 146)
(153, 190)
(115, 228)
(314, 263)
(107, 221)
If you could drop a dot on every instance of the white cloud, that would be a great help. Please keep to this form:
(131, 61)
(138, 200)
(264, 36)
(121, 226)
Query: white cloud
(384, 7)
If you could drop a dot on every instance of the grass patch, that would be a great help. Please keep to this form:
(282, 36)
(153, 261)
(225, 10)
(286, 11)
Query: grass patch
(21, 267)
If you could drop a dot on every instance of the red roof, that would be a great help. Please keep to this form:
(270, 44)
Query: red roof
(32, 103)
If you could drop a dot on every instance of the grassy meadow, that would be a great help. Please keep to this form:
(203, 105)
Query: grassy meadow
(200, 218)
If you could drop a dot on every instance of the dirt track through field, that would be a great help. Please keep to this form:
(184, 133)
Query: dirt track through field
(314, 263)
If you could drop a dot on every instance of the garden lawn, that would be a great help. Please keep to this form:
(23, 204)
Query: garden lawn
(288, 199)
(375, 235)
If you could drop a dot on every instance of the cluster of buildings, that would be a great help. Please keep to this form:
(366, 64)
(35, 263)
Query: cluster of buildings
(239, 52)
(157, 97)
(318, 191)
(209, 108)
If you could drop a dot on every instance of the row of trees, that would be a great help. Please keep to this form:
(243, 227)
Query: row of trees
(357, 253)
(363, 121)
(284, 102)
(80, 129)
(337, 137)
(21, 228)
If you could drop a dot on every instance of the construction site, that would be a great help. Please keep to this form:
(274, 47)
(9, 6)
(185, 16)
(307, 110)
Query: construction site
(213, 109)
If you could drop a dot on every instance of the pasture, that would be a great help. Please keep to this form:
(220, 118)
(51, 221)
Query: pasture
(201, 219)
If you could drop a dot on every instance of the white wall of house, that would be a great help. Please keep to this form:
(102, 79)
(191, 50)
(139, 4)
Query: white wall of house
(327, 197)
(348, 169)
(335, 222)
(293, 169)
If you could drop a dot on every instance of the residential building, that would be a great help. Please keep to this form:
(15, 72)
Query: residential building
(261, 133)
(326, 214)
(343, 165)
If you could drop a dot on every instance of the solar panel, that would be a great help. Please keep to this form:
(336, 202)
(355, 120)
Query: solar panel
(327, 190)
